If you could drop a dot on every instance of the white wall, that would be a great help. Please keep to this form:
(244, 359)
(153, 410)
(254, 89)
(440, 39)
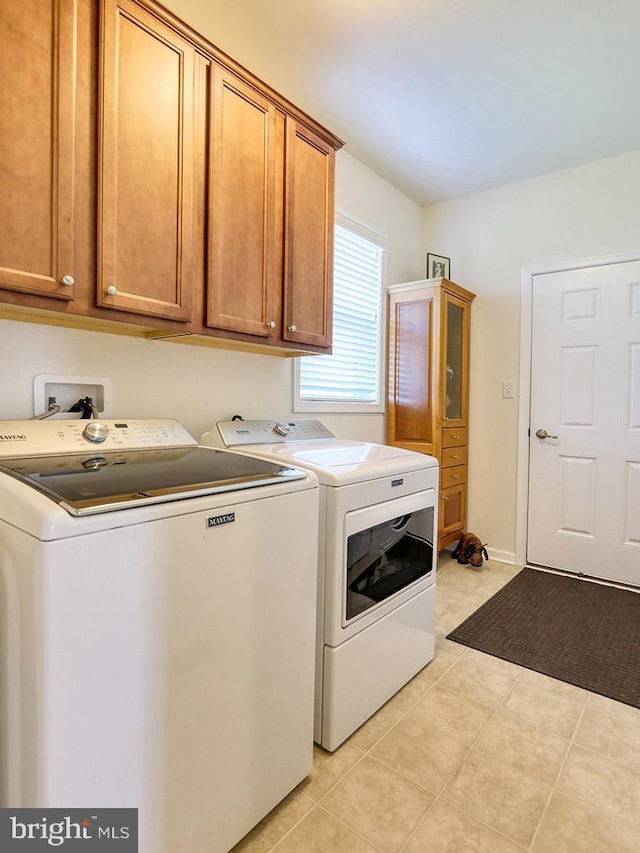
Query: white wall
(199, 385)
(571, 215)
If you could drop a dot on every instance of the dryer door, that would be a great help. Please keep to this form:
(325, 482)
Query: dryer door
(385, 557)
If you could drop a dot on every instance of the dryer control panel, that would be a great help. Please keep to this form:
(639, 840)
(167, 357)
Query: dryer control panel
(237, 433)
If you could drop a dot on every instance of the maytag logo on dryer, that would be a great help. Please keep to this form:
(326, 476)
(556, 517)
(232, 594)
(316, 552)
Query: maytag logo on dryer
(8, 437)
(218, 520)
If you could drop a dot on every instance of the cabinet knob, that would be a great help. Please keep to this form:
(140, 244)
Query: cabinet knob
(112, 290)
(271, 324)
(455, 476)
(67, 280)
(293, 328)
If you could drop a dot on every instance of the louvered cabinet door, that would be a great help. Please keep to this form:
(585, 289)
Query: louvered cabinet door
(146, 150)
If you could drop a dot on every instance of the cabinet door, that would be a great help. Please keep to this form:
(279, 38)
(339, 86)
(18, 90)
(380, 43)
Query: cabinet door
(309, 210)
(37, 99)
(452, 515)
(413, 347)
(244, 268)
(455, 355)
(145, 164)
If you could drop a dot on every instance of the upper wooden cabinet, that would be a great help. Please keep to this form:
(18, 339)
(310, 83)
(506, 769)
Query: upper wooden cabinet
(244, 263)
(145, 147)
(429, 328)
(182, 194)
(37, 144)
(309, 205)
(271, 210)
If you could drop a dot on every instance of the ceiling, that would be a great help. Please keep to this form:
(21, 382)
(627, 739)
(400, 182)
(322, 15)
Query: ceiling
(443, 98)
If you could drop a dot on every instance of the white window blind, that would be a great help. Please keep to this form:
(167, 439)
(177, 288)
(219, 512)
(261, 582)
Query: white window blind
(349, 378)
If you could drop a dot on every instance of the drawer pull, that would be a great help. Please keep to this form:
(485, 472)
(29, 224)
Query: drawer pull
(455, 436)
(455, 456)
(455, 476)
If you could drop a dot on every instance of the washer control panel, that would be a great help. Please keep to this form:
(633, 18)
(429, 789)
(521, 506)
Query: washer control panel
(49, 438)
(237, 433)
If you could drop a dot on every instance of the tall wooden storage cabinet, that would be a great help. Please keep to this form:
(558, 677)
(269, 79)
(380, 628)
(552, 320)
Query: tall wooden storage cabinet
(429, 324)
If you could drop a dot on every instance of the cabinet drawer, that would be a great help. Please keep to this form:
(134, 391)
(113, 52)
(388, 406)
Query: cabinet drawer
(453, 476)
(454, 437)
(453, 456)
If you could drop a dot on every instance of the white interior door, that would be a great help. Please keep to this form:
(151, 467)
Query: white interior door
(584, 478)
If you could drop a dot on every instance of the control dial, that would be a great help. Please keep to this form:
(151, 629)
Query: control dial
(282, 428)
(95, 432)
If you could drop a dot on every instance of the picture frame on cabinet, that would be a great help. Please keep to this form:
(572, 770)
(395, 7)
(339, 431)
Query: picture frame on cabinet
(438, 266)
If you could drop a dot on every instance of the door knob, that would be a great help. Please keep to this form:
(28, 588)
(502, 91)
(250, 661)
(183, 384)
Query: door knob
(292, 328)
(542, 433)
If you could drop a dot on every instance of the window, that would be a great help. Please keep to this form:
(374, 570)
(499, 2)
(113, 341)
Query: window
(350, 379)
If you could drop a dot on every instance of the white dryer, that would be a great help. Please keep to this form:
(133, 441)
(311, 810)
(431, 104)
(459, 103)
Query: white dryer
(376, 562)
(157, 628)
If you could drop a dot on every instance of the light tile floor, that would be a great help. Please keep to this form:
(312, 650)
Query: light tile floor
(474, 754)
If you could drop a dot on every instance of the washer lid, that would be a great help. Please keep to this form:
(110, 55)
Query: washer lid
(96, 482)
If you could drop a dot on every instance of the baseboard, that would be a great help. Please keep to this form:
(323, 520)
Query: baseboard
(502, 556)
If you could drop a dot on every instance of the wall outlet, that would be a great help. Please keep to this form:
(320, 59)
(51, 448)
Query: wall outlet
(509, 389)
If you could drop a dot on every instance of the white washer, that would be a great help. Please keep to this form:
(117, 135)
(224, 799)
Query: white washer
(377, 562)
(157, 618)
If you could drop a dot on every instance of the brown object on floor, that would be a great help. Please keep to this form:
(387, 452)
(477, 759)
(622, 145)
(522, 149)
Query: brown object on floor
(470, 550)
(584, 633)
